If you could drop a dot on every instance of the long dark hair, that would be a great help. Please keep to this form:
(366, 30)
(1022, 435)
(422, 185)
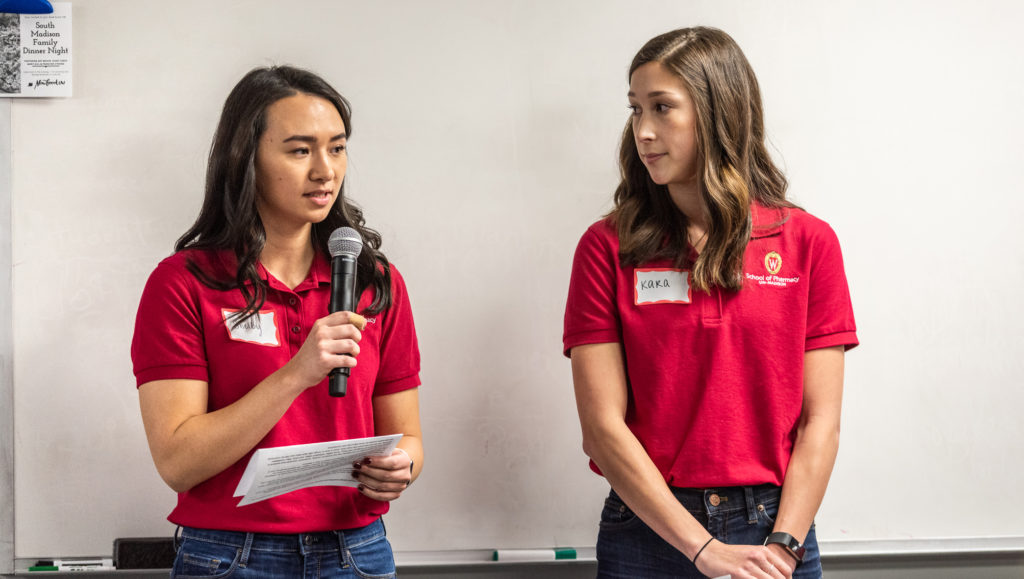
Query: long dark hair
(735, 166)
(229, 219)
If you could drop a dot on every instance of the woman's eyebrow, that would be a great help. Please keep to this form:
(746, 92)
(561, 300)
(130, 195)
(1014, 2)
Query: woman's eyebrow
(310, 139)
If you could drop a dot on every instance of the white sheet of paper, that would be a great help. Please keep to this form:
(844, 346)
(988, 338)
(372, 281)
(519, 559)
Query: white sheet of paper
(35, 53)
(276, 471)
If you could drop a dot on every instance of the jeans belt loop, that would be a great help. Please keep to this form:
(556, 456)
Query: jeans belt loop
(340, 535)
(748, 494)
(246, 548)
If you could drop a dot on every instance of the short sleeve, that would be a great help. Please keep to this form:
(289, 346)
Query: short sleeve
(829, 309)
(399, 349)
(591, 312)
(168, 341)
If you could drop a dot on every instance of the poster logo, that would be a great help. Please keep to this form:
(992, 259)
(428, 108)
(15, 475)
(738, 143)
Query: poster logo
(773, 262)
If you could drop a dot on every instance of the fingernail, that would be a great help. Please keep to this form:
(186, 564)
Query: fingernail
(367, 460)
(362, 488)
(357, 465)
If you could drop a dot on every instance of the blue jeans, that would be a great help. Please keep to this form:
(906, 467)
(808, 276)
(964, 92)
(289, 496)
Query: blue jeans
(364, 553)
(628, 548)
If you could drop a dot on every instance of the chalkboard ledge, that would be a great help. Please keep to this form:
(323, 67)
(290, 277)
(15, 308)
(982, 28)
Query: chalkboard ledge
(465, 560)
(922, 547)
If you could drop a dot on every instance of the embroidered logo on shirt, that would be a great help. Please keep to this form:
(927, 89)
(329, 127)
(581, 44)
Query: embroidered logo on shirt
(773, 262)
(259, 329)
(660, 285)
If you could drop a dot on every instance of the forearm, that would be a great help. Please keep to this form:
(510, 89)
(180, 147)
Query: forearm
(601, 399)
(204, 444)
(634, 476)
(814, 455)
(816, 444)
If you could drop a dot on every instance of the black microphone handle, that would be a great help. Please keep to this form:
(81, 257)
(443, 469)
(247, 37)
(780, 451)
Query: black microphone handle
(343, 290)
(339, 382)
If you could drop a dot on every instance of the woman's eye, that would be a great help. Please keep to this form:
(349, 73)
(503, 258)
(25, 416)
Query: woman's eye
(300, 151)
(339, 149)
(634, 109)
(661, 108)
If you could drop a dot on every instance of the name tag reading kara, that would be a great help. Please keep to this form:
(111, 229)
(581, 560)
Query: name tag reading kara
(661, 286)
(258, 329)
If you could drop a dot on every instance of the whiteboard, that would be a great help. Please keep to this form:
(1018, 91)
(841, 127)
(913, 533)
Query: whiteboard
(484, 143)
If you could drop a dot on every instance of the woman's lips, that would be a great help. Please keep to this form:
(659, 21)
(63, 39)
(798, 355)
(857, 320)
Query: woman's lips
(319, 197)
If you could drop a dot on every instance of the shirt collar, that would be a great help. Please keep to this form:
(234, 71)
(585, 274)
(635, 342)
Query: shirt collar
(319, 274)
(767, 221)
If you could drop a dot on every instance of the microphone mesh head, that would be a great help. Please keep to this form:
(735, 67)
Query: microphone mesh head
(345, 241)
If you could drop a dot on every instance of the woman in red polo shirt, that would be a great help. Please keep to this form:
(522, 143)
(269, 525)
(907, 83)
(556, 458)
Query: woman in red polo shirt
(233, 343)
(706, 321)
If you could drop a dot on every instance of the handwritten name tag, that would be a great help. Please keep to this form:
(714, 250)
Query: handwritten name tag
(661, 286)
(259, 329)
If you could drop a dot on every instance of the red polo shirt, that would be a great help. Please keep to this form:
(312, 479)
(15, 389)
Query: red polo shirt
(180, 333)
(716, 379)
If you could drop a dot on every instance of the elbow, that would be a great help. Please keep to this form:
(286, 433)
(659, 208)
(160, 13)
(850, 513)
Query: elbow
(820, 432)
(588, 446)
(176, 478)
(597, 437)
(178, 483)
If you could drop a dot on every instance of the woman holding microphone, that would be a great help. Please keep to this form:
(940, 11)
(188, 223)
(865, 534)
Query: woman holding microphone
(706, 322)
(233, 343)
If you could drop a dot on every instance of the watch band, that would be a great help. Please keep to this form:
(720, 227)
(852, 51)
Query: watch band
(793, 547)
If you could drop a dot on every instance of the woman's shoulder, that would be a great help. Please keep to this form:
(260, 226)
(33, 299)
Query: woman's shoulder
(604, 227)
(601, 232)
(789, 219)
(181, 264)
(396, 276)
(808, 225)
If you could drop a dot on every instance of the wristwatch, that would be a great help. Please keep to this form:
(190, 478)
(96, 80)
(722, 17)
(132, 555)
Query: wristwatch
(793, 547)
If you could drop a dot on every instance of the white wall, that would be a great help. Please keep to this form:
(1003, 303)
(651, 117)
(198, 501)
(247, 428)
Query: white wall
(483, 145)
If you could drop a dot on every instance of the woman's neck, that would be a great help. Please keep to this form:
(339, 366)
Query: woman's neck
(288, 257)
(688, 200)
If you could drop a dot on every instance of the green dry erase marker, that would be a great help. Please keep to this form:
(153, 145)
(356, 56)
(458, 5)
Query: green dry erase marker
(526, 555)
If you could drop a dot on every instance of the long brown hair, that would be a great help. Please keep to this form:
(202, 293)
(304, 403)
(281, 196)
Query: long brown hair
(735, 167)
(229, 219)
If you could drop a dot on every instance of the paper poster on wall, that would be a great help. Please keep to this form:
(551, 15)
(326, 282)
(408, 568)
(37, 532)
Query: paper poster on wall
(35, 53)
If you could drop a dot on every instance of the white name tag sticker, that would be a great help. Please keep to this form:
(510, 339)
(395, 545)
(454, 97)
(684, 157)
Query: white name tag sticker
(661, 286)
(259, 329)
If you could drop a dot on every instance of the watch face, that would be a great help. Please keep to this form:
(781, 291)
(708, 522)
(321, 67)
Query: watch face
(788, 541)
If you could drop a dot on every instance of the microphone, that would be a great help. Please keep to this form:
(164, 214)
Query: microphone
(345, 245)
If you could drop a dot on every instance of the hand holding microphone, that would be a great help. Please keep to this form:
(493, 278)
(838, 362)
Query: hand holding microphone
(345, 245)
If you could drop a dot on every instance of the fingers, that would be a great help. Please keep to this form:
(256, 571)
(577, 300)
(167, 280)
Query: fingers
(333, 342)
(358, 321)
(337, 334)
(774, 568)
(744, 562)
(343, 318)
(383, 478)
(782, 562)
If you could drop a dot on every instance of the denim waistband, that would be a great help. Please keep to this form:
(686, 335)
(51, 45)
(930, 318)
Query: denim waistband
(304, 543)
(725, 500)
